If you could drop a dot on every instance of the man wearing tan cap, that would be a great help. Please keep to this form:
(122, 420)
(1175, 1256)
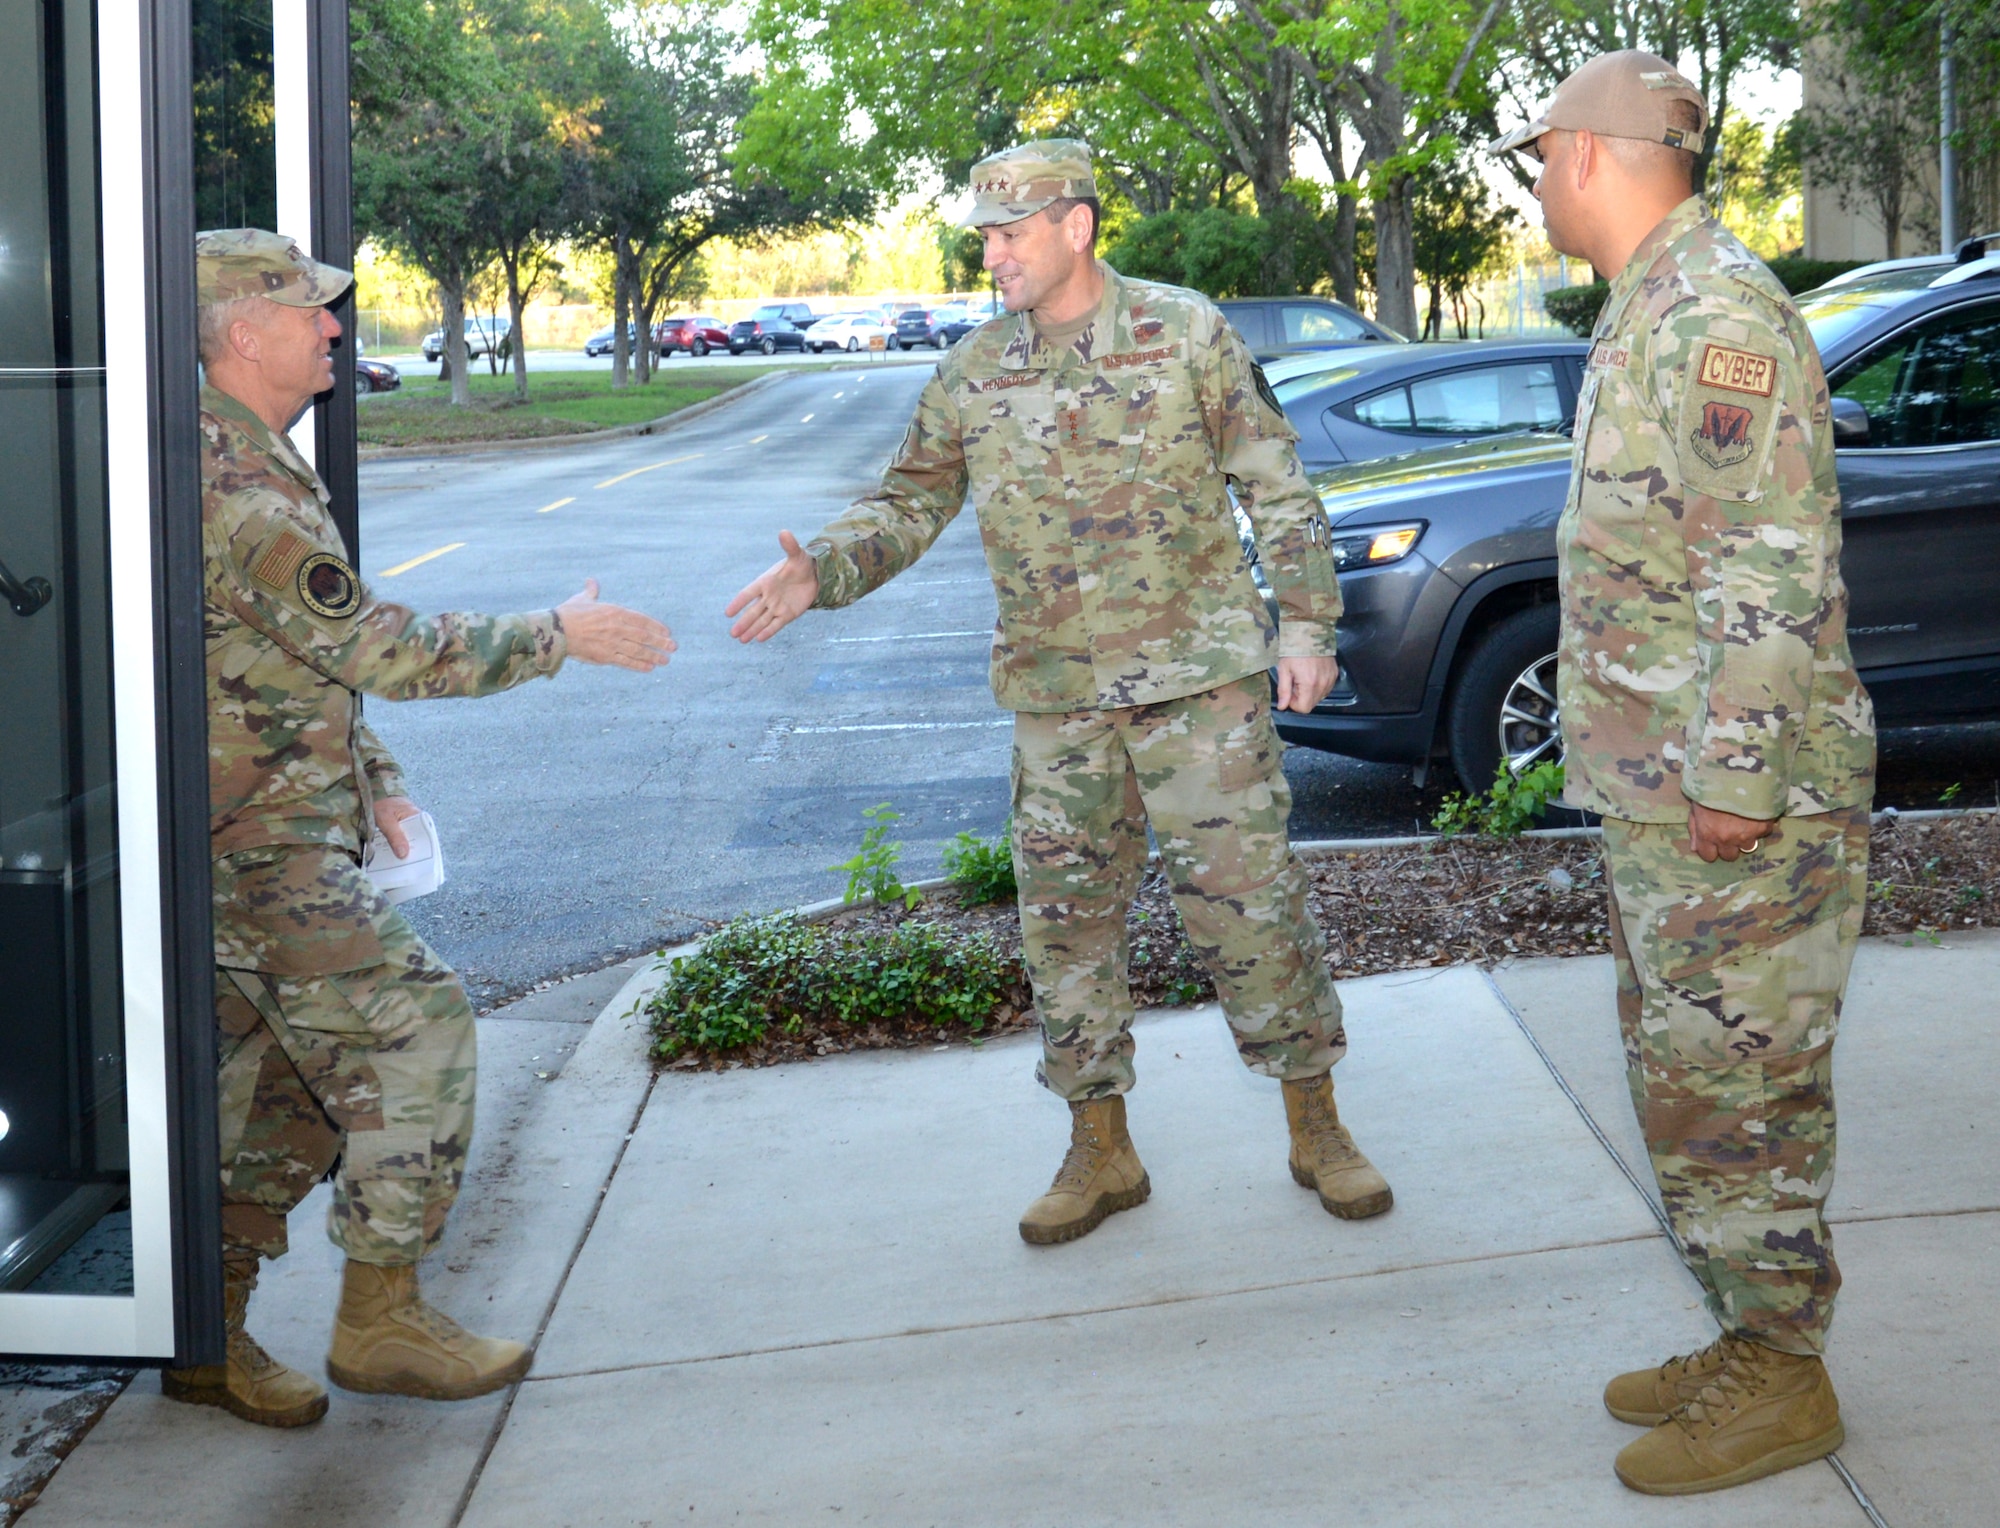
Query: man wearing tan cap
(1712, 715)
(1096, 429)
(343, 1038)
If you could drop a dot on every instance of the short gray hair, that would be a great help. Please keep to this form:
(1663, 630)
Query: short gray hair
(212, 321)
(1641, 157)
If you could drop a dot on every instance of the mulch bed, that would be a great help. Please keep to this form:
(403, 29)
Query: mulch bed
(1445, 902)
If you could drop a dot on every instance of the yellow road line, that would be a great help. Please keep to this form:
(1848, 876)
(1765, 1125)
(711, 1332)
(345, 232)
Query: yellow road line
(417, 562)
(557, 505)
(672, 461)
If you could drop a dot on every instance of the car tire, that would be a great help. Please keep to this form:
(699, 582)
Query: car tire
(698, 348)
(769, 346)
(363, 384)
(1506, 689)
(938, 342)
(853, 344)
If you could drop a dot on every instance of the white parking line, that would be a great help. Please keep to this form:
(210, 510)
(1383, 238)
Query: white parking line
(417, 562)
(557, 505)
(915, 636)
(672, 461)
(757, 440)
(807, 420)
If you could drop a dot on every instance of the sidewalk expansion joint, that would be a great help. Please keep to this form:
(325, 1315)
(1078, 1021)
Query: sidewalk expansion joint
(555, 1298)
(1160, 1303)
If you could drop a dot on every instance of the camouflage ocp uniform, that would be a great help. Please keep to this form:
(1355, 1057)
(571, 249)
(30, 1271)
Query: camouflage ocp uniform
(342, 1034)
(1705, 659)
(1132, 642)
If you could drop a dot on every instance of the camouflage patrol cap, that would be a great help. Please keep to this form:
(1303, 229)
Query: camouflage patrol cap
(1010, 185)
(1617, 95)
(248, 262)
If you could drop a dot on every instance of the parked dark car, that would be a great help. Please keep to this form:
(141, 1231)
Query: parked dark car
(601, 343)
(1282, 326)
(697, 334)
(798, 314)
(767, 336)
(913, 328)
(1448, 566)
(375, 377)
(1360, 404)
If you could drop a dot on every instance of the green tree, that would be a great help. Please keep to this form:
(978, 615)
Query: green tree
(1458, 231)
(424, 78)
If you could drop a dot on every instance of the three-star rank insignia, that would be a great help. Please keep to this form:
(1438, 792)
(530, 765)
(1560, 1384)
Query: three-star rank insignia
(327, 586)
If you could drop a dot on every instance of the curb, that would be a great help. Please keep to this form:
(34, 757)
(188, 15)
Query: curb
(664, 425)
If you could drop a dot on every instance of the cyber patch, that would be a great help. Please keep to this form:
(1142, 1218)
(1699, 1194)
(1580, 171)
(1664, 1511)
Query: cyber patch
(1722, 438)
(328, 587)
(1737, 371)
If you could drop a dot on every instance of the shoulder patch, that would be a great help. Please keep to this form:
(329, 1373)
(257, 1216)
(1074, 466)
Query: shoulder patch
(327, 586)
(1738, 371)
(1148, 329)
(280, 563)
(1264, 387)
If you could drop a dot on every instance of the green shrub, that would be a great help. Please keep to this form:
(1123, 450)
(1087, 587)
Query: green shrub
(1802, 275)
(982, 868)
(872, 872)
(1576, 308)
(1513, 805)
(755, 975)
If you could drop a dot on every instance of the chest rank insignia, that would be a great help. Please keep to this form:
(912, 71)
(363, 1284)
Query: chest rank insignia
(328, 587)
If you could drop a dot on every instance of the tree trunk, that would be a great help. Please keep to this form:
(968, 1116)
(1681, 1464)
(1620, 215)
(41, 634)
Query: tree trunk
(621, 313)
(1340, 258)
(516, 305)
(1395, 258)
(451, 298)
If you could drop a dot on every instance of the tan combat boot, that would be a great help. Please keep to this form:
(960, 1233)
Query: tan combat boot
(1647, 1397)
(251, 1383)
(1100, 1175)
(1324, 1156)
(387, 1340)
(1763, 1411)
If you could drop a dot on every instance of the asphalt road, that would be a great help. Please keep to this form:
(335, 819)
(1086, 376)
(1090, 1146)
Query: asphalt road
(605, 813)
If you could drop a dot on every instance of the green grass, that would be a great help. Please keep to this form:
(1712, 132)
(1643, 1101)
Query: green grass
(420, 412)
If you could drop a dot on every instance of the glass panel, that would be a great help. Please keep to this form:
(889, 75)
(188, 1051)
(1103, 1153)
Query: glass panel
(1938, 384)
(1488, 400)
(1385, 411)
(235, 144)
(1249, 322)
(63, 1145)
(1319, 326)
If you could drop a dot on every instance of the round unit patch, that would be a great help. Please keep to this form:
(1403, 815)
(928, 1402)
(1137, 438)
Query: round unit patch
(328, 586)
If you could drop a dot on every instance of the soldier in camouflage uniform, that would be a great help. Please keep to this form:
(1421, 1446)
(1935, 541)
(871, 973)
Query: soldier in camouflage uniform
(343, 1038)
(1096, 429)
(1712, 715)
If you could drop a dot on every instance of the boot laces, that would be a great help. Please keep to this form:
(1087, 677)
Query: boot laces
(1331, 1143)
(1081, 1160)
(249, 1353)
(1723, 1348)
(1725, 1391)
(434, 1323)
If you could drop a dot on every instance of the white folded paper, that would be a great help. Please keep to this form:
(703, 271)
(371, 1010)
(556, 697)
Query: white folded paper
(417, 874)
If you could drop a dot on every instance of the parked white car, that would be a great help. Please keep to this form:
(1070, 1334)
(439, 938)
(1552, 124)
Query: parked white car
(848, 331)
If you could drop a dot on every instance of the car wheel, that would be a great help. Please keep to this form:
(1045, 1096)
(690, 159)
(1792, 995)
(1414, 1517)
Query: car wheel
(769, 346)
(698, 348)
(853, 344)
(937, 342)
(363, 385)
(1503, 708)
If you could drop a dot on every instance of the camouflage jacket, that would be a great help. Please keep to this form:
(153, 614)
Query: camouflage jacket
(294, 637)
(1098, 472)
(1704, 646)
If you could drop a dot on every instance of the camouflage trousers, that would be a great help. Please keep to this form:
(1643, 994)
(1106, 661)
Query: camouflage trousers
(1205, 771)
(374, 1069)
(1730, 978)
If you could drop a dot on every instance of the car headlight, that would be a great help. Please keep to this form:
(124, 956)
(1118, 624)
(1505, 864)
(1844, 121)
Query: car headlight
(1374, 546)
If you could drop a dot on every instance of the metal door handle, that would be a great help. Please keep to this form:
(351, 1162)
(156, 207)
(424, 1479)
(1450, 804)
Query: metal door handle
(26, 595)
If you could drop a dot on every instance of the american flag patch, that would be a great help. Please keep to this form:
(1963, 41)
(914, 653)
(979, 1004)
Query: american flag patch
(280, 564)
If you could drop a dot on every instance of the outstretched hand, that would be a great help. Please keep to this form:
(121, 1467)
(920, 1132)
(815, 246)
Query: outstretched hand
(777, 597)
(611, 634)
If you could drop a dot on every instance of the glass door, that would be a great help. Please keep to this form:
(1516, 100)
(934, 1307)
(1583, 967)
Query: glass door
(85, 1234)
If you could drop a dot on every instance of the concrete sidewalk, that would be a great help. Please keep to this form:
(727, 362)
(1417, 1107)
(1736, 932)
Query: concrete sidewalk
(796, 1295)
